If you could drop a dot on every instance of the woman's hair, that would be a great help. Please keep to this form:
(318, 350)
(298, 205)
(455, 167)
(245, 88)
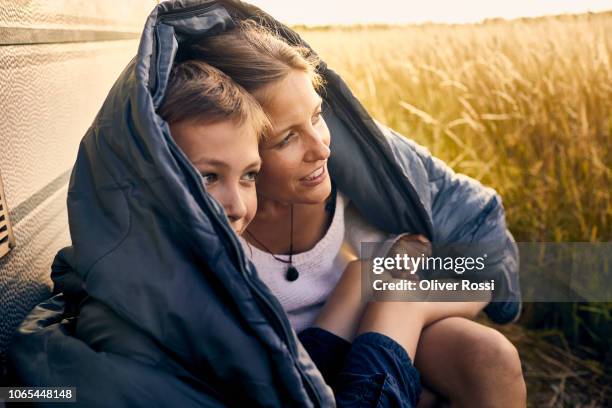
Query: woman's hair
(253, 56)
(201, 93)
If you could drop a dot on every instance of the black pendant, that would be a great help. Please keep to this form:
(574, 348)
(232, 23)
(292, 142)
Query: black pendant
(292, 273)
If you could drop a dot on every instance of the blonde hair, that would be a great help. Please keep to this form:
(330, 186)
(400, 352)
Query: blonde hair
(199, 92)
(254, 56)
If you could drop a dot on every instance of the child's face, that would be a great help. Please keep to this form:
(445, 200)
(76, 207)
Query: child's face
(227, 156)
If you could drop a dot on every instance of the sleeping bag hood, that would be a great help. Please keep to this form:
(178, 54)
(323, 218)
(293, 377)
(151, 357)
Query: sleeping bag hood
(156, 249)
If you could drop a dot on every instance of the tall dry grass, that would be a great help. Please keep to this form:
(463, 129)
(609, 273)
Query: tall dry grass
(525, 107)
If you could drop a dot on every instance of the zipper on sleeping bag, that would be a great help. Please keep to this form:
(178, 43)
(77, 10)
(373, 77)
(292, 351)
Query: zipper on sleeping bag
(288, 337)
(279, 323)
(290, 340)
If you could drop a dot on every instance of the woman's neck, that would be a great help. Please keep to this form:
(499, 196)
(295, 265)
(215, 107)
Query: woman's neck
(272, 226)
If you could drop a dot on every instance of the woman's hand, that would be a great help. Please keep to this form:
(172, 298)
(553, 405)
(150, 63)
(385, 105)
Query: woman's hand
(413, 246)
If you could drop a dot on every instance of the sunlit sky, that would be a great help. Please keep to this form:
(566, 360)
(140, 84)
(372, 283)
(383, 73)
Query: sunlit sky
(320, 12)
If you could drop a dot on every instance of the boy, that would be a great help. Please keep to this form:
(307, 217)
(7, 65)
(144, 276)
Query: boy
(218, 125)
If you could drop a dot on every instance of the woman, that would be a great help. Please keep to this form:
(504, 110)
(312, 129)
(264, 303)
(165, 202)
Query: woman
(468, 363)
(160, 257)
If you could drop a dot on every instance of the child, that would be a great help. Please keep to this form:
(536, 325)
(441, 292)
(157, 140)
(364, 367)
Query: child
(218, 125)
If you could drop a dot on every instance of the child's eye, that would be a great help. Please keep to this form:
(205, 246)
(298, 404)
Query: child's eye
(317, 117)
(251, 176)
(286, 140)
(209, 178)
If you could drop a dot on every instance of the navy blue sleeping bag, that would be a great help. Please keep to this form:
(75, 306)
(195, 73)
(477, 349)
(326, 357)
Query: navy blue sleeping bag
(156, 252)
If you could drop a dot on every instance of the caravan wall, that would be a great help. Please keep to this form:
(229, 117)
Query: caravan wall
(58, 60)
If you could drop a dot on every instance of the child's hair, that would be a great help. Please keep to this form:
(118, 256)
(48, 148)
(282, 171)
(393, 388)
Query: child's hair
(253, 56)
(200, 93)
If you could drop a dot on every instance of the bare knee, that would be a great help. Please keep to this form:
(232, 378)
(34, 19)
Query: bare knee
(496, 366)
(495, 352)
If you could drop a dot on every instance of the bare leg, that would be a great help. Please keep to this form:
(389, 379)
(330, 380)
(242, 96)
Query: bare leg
(470, 364)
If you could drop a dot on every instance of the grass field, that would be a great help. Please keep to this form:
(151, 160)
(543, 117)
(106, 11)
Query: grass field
(524, 106)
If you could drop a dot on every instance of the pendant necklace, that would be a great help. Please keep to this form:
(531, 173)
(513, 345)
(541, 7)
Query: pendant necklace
(292, 273)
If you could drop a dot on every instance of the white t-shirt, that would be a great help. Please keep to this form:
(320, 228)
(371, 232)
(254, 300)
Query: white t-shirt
(320, 268)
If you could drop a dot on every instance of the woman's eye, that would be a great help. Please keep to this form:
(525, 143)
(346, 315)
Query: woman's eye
(286, 140)
(209, 178)
(317, 118)
(251, 176)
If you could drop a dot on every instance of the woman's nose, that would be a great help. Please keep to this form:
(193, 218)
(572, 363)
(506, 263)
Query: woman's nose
(318, 146)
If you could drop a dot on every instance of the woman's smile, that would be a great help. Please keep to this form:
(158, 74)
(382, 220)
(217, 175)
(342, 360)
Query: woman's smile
(316, 177)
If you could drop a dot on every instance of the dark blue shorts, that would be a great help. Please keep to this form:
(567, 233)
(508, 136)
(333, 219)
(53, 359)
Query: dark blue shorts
(373, 371)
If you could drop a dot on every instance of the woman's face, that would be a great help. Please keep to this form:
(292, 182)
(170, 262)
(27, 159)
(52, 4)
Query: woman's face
(227, 157)
(294, 158)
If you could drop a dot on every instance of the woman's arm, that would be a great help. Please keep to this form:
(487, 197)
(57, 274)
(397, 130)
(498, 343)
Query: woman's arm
(416, 245)
(345, 306)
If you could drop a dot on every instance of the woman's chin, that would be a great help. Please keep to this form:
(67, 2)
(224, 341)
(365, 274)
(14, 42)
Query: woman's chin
(315, 194)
